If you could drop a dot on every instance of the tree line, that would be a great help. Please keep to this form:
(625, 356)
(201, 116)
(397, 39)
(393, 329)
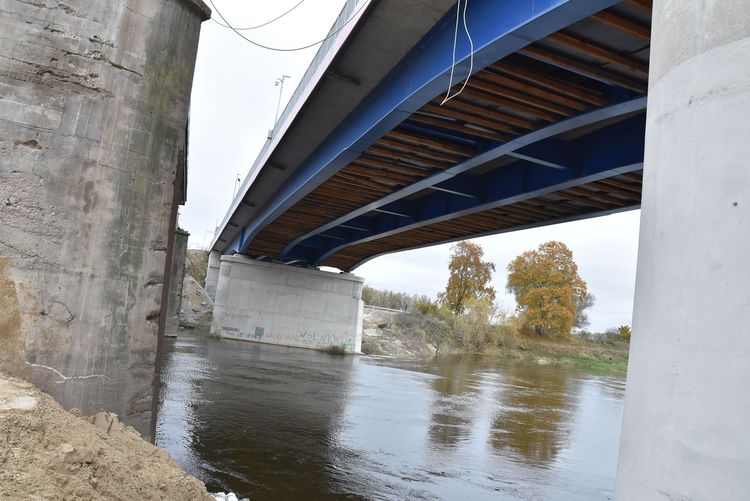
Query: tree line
(391, 300)
(551, 298)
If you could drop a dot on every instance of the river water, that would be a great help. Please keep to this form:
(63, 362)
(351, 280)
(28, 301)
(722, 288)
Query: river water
(281, 423)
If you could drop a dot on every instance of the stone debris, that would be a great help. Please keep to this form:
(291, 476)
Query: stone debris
(229, 496)
(196, 309)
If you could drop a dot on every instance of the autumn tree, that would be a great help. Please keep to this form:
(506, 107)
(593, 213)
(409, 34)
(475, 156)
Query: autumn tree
(469, 277)
(549, 293)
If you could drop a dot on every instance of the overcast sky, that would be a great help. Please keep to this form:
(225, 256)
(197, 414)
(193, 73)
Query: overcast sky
(233, 106)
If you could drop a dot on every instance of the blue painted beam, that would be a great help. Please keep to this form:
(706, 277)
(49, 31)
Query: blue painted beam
(453, 192)
(533, 143)
(498, 28)
(552, 152)
(566, 219)
(609, 151)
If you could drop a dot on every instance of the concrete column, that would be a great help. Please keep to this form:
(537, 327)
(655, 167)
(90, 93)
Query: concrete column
(176, 276)
(93, 109)
(212, 273)
(685, 428)
(279, 304)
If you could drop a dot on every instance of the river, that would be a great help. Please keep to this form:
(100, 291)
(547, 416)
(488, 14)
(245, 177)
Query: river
(275, 423)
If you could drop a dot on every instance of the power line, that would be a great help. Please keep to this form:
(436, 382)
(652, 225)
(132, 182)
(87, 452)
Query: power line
(260, 25)
(448, 95)
(287, 50)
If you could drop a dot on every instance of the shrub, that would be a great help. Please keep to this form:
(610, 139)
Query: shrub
(624, 332)
(426, 307)
(335, 349)
(196, 264)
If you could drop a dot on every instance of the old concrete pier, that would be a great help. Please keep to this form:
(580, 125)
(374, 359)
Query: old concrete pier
(686, 406)
(93, 111)
(176, 276)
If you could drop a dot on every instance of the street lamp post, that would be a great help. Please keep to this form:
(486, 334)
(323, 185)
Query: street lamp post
(280, 84)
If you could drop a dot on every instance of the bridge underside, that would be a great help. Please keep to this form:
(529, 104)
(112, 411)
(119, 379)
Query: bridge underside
(551, 131)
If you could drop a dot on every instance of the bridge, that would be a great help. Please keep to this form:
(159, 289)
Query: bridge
(544, 124)
(549, 128)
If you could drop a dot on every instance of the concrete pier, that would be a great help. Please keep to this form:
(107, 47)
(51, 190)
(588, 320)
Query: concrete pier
(212, 273)
(176, 277)
(279, 304)
(687, 401)
(93, 110)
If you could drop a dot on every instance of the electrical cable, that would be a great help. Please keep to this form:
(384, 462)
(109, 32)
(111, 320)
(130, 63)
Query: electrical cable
(260, 25)
(448, 95)
(292, 49)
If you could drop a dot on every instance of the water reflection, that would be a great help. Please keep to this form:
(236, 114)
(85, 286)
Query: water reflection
(280, 423)
(232, 440)
(534, 419)
(454, 402)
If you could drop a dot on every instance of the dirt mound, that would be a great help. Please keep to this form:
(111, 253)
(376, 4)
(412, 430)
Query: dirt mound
(49, 453)
(196, 309)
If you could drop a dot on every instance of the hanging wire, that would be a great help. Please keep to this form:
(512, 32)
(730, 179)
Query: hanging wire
(448, 95)
(260, 25)
(292, 49)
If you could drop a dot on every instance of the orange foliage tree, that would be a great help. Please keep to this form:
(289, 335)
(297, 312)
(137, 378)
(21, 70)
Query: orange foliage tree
(548, 289)
(469, 277)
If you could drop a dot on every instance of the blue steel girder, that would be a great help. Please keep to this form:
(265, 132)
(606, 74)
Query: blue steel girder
(609, 151)
(540, 147)
(498, 28)
(535, 224)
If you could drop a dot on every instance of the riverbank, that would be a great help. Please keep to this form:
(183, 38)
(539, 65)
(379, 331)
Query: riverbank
(47, 452)
(402, 335)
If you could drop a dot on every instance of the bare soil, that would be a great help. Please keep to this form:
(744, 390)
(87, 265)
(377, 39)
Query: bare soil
(49, 453)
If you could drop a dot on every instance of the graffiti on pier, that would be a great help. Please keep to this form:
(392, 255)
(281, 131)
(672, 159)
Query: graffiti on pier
(303, 338)
(348, 345)
(233, 332)
(317, 338)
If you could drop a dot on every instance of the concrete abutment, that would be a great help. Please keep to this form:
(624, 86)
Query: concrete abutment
(286, 305)
(687, 403)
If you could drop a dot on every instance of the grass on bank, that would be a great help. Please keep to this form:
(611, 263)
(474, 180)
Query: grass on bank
(599, 356)
(445, 334)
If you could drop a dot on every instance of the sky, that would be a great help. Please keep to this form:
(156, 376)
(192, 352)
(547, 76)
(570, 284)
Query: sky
(234, 104)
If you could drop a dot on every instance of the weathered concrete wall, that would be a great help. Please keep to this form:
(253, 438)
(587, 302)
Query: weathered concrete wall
(279, 304)
(176, 275)
(685, 427)
(93, 107)
(212, 273)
